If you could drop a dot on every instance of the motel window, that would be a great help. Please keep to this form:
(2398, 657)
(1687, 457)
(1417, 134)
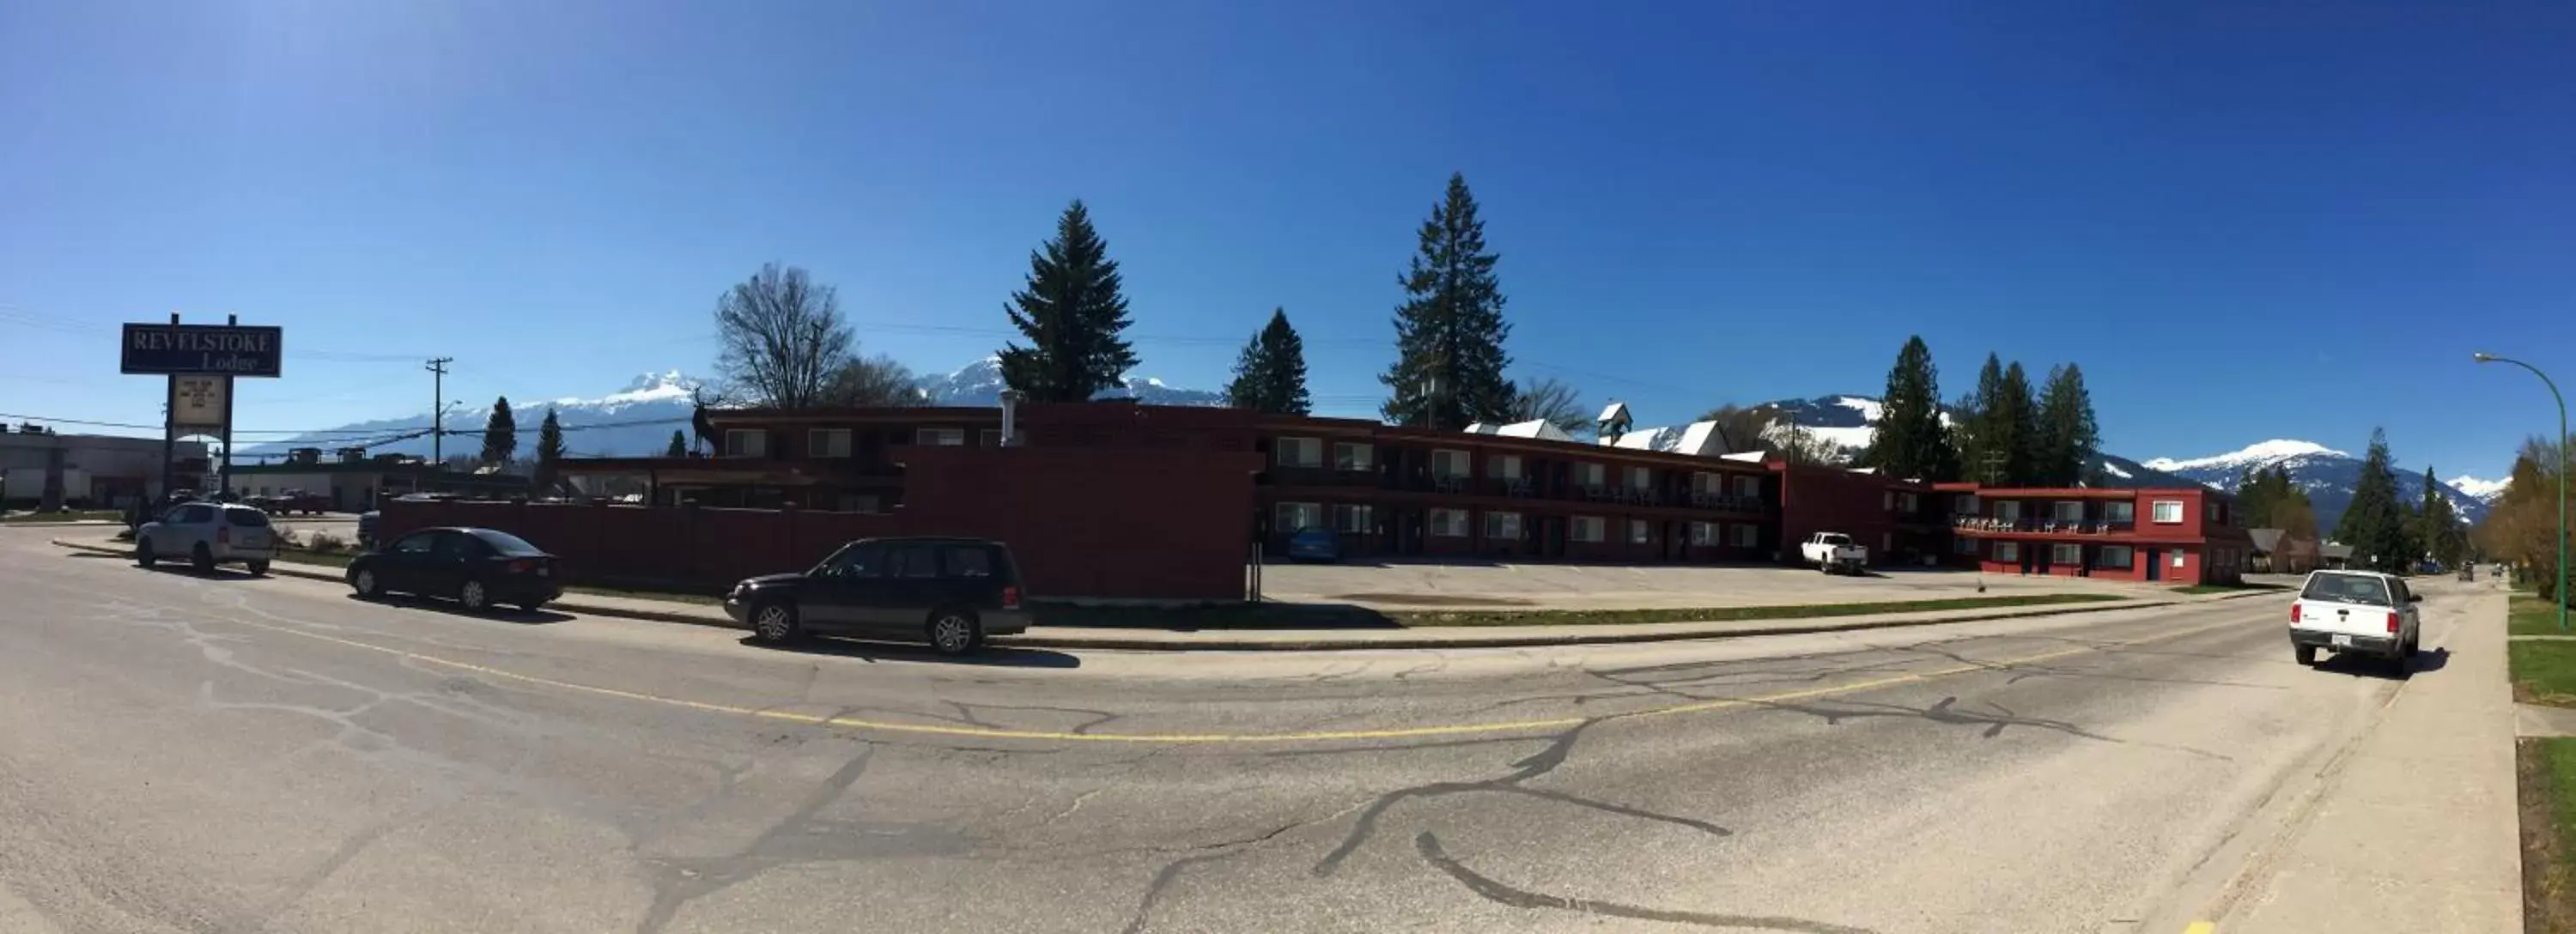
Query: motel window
(1745, 535)
(2007, 551)
(1349, 456)
(1640, 478)
(746, 442)
(827, 442)
(1963, 545)
(1502, 525)
(1357, 520)
(2008, 510)
(940, 437)
(2178, 556)
(1298, 517)
(1449, 523)
(1449, 464)
(2209, 511)
(2066, 511)
(1964, 504)
(2114, 556)
(1704, 482)
(1507, 466)
(1299, 452)
(2120, 512)
(1886, 542)
(1638, 532)
(2166, 512)
(1703, 534)
(1887, 500)
(1748, 487)
(990, 437)
(859, 502)
(1590, 475)
(1908, 502)
(2066, 553)
(1588, 528)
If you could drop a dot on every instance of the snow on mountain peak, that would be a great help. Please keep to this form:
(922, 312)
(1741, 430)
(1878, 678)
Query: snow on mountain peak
(665, 386)
(1869, 409)
(2262, 453)
(2480, 489)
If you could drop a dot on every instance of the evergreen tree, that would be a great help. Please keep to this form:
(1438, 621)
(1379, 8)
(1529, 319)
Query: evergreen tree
(1449, 332)
(1909, 441)
(1271, 374)
(2439, 525)
(679, 445)
(1072, 314)
(1981, 438)
(500, 434)
(2016, 422)
(2066, 436)
(550, 448)
(2375, 522)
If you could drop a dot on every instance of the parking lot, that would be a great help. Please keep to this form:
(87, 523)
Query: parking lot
(1579, 586)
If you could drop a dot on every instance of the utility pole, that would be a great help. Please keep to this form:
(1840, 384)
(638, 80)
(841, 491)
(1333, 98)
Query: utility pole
(438, 410)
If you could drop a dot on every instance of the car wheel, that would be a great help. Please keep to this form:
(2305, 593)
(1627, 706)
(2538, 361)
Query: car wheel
(202, 558)
(774, 622)
(2307, 654)
(143, 556)
(473, 597)
(364, 582)
(954, 632)
(258, 568)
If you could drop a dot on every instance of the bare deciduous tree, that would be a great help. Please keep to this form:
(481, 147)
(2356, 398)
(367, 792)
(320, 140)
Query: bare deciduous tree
(782, 338)
(873, 381)
(1549, 400)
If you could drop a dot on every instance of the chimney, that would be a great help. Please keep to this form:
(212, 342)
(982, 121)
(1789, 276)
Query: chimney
(1010, 418)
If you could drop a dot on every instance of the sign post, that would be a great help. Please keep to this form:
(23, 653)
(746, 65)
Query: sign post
(200, 362)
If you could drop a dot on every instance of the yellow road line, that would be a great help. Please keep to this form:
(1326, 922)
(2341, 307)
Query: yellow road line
(2200, 927)
(979, 732)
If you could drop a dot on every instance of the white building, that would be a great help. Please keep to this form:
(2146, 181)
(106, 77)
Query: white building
(89, 471)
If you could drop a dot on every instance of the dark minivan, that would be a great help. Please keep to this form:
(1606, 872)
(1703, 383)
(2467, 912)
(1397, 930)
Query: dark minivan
(949, 592)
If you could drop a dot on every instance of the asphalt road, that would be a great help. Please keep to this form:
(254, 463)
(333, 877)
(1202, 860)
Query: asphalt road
(224, 754)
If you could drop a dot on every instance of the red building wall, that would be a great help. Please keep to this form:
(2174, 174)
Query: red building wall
(1833, 499)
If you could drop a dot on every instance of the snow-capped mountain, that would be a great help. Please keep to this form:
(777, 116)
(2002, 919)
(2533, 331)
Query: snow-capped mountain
(1844, 423)
(634, 421)
(980, 383)
(2327, 475)
(2484, 491)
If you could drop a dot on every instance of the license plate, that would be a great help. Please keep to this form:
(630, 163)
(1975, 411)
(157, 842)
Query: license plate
(2343, 642)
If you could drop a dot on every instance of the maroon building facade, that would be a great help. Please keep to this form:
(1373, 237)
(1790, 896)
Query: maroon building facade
(2178, 536)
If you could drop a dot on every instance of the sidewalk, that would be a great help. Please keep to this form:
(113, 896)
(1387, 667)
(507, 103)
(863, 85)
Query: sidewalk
(2416, 829)
(1312, 640)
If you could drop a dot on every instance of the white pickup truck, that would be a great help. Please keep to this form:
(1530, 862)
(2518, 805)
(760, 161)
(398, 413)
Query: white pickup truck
(1833, 551)
(2356, 612)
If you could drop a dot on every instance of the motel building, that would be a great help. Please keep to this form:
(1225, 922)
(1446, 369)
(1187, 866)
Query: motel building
(2179, 536)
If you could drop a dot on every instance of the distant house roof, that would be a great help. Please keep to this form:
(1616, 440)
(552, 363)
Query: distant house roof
(1534, 428)
(1697, 438)
(2266, 541)
(1616, 411)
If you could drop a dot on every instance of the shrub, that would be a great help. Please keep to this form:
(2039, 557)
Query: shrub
(326, 542)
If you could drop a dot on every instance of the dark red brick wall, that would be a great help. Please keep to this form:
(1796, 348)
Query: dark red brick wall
(1146, 524)
(1832, 499)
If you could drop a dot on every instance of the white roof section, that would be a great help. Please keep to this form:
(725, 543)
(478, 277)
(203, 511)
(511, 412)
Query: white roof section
(1534, 428)
(1750, 457)
(1615, 412)
(1701, 439)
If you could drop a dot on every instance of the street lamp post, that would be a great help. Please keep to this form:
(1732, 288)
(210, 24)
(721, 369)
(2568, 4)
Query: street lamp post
(2561, 443)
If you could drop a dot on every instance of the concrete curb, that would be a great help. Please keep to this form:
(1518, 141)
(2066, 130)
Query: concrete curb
(1571, 635)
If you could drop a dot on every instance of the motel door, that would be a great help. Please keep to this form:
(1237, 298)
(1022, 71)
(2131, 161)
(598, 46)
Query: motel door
(2155, 564)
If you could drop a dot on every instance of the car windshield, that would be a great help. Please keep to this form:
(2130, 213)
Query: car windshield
(2347, 588)
(508, 544)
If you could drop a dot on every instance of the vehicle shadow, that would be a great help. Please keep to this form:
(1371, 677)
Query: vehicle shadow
(182, 569)
(996, 656)
(449, 607)
(2426, 661)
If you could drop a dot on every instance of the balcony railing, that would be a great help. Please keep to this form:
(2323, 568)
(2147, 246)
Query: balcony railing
(2040, 526)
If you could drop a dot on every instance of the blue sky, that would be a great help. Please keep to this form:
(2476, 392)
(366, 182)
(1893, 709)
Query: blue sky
(2243, 221)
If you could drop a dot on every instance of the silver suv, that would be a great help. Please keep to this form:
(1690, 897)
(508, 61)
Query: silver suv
(207, 534)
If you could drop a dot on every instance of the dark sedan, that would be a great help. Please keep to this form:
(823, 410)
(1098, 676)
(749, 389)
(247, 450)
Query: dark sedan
(479, 568)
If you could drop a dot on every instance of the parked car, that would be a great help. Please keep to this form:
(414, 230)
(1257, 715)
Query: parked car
(949, 592)
(2363, 612)
(292, 502)
(1834, 551)
(1315, 545)
(479, 568)
(207, 534)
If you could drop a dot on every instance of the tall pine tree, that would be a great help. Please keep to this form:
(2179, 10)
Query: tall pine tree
(1271, 374)
(1072, 313)
(679, 445)
(1449, 333)
(2017, 417)
(500, 434)
(550, 448)
(1995, 425)
(2374, 524)
(2438, 525)
(1909, 441)
(2066, 437)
